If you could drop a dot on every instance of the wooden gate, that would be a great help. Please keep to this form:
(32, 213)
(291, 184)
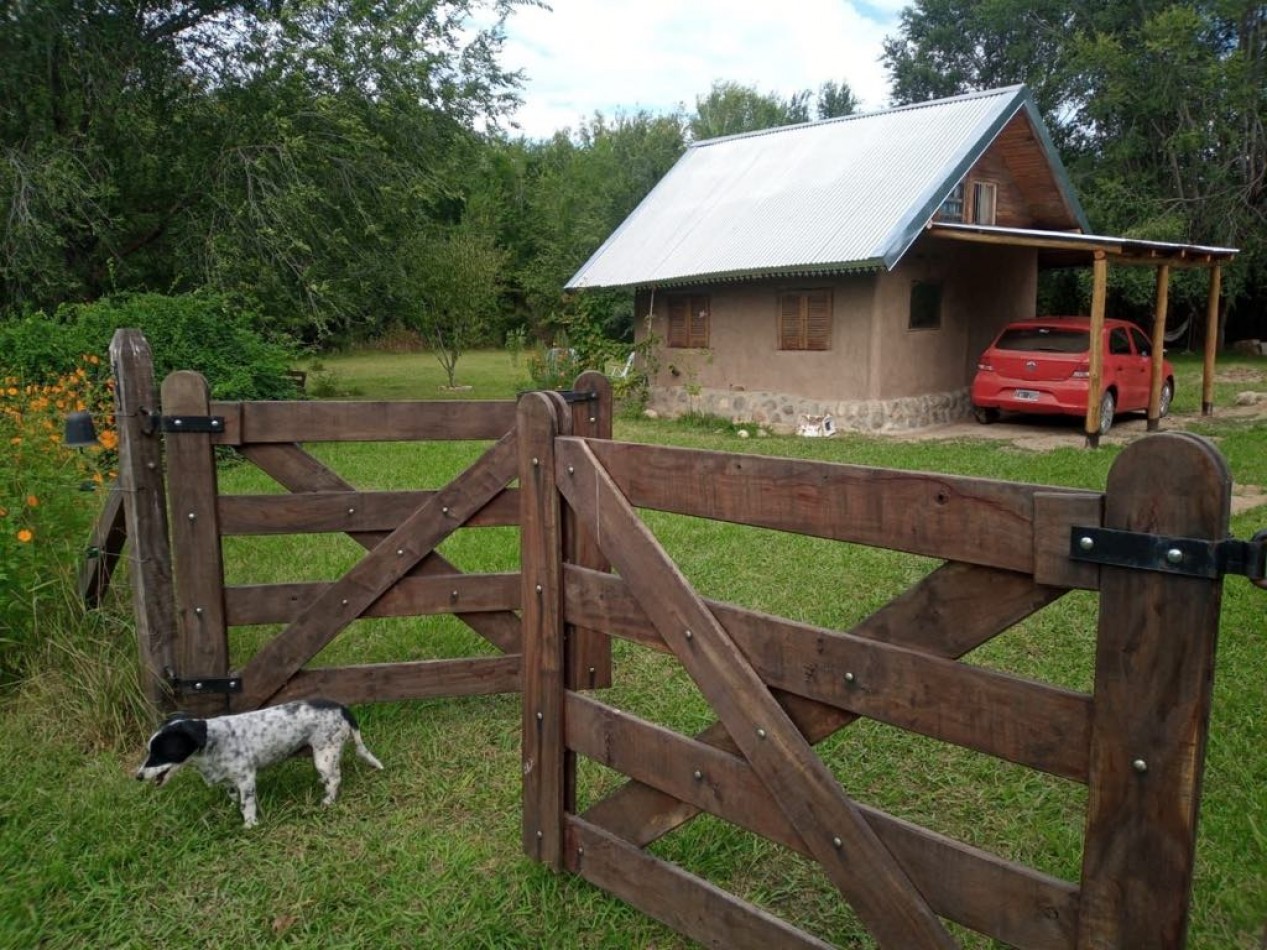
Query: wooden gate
(778, 687)
(401, 573)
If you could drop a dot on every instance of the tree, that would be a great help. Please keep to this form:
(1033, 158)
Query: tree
(835, 100)
(730, 108)
(454, 279)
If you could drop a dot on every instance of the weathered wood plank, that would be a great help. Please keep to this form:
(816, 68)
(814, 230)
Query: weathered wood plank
(297, 471)
(330, 421)
(1153, 682)
(345, 511)
(145, 511)
(411, 596)
(393, 557)
(1029, 723)
(589, 663)
(105, 545)
(977, 521)
(950, 612)
(675, 897)
(1054, 514)
(1007, 901)
(545, 764)
(422, 679)
(203, 643)
(837, 835)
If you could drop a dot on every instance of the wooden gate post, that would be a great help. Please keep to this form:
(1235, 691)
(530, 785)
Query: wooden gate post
(145, 509)
(547, 782)
(589, 656)
(202, 649)
(1153, 681)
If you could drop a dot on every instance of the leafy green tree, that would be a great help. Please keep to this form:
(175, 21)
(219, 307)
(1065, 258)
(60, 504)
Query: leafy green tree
(731, 108)
(835, 100)
(453, 278)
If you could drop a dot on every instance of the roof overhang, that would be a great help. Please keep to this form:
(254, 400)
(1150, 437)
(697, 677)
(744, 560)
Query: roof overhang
(1065, 249)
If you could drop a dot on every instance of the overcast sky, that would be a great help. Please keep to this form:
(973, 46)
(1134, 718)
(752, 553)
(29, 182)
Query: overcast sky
(583, 56)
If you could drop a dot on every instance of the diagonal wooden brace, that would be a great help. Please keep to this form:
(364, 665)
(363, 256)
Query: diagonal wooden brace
(832, 827)
(390, 560)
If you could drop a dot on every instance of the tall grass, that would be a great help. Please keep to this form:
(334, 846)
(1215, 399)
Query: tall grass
(426, 853)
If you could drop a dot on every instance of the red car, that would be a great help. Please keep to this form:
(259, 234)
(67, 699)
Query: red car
(1043, 365)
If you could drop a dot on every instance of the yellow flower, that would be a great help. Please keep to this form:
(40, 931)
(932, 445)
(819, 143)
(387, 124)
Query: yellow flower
(98, 477)
(3, 511)
(13, 390)
(92, 358)
(25, 535)
(32, 501)
(108, 439)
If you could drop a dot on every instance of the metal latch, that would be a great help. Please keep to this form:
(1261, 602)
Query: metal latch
(206, 685)
(192, 423)
(1191, 557)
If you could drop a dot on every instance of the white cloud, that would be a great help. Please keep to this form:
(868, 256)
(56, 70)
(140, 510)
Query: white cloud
(613, 55)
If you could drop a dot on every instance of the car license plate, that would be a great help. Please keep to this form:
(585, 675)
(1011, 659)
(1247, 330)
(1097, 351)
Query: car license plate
(1028, 395)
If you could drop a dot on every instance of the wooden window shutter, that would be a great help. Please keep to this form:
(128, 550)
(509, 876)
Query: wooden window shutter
(818, 320)
(688, 321)
(790, 322)
(699, 323)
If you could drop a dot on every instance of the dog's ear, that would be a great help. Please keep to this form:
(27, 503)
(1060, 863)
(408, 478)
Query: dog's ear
(176, 742)
(176, 716)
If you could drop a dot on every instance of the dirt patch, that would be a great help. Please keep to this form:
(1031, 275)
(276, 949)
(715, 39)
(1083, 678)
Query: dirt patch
(1239, 374)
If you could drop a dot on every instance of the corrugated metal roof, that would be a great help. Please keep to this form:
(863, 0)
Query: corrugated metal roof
(837, 195)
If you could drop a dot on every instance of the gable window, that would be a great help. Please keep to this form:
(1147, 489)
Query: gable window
(925, 306)
(985, 195)
(805, 320)
(952, 207)
(688, 321)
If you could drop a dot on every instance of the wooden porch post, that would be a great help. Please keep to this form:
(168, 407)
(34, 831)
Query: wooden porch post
(1159, 345)
(1211, 340)
(145, 509)
(1099, 290)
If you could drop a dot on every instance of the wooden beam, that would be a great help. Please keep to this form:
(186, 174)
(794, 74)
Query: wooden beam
(145, 509)
(1154, 678)
(265, 422)
(1211, 340)
(1099, 292)
(1161, 307)
(420, 679)
(105, 545)
(345, 511)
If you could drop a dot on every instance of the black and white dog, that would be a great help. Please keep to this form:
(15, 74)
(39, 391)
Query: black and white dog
(231, 749)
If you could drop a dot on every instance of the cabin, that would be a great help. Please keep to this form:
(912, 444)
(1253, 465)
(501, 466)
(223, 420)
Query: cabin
(853, 267)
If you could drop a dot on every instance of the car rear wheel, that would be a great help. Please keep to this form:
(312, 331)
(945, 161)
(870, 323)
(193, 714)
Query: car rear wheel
(1167, 394)
(985, 416)
(1108, 405)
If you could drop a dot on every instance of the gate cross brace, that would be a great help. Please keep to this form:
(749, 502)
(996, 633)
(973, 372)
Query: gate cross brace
(829, 822)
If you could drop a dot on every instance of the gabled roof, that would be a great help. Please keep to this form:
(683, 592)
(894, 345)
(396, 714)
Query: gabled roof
(825, 197)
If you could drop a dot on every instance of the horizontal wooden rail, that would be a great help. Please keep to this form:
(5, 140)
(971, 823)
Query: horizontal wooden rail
(317, 512)
(264, 422)
(974, 520)
(411, 596)
(1008, 901)
(421, 679)
(1033, 724)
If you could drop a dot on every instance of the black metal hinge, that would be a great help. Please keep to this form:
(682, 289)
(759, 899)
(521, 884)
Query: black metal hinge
(192, 424)
(205, 685)
(1191, 557)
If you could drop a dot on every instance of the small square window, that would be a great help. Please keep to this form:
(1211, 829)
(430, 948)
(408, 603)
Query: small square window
(952, 208)
(925, 306)
(688, 321)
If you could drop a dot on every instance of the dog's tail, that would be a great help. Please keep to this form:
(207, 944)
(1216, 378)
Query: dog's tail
(362, 750)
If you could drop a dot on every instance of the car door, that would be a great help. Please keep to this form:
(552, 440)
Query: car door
(1122, 371)
(1144, 351)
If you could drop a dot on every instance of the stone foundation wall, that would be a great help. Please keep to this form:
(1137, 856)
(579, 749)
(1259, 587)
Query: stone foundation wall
(781, 412)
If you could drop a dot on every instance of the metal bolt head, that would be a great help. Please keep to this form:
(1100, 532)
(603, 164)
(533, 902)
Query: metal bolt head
(400, 552)
(198, 611)
(698, 775)
(593, 419)
(540, 716)
(540, 834)
(351, 511)
(1086, 543)
(1139, 765)
(689, 635)
(849, 677)
(444, 511)
(760, 733)
(192, 516)
(571, 470)
(536, 461)
(538, 588)
(1174, 556)
(837, 843)
(344, 601)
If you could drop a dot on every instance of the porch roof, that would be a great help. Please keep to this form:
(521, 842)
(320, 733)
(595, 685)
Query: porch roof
(1068, 249)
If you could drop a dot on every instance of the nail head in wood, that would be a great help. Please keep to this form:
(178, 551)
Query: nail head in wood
(837, 843)
(689, 635)
(535, 461)
(571, 470)
(1086, 543)
(538, 588)
(849, 677)
(540, 716)
(198, 611)
(698, 775)
(192, 516)
(760, 733)
(400, 552)
(1140, 766)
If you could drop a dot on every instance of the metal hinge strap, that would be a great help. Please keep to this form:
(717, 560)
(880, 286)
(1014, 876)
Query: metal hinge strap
(202, 424)
(1192, 557)
(204, 685)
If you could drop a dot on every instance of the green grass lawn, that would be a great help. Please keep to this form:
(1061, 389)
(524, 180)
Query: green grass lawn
(426, 853)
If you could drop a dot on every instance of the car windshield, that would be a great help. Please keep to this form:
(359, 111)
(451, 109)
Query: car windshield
(1044, 340)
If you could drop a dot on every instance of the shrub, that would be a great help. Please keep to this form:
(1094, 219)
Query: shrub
(218, 335)
(45, 515)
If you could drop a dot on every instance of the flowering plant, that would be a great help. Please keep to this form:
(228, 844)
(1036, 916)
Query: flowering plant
(46, 509)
